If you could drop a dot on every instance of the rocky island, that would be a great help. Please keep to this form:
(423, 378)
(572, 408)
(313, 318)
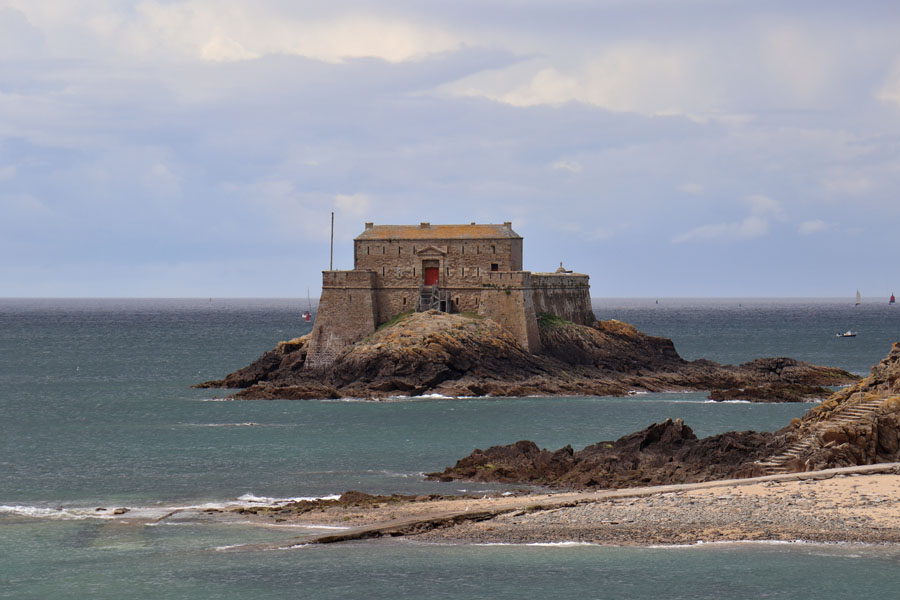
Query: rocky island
(468, 355)
(448, 309)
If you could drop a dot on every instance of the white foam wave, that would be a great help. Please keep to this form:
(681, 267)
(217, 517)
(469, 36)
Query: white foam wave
(569, 544)
(150, 513)
(245, 424)
(250, 498)
(40, 512)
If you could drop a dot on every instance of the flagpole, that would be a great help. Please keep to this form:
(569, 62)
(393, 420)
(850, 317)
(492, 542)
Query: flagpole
(331, 260)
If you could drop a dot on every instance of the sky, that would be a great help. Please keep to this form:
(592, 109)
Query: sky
(194, 148)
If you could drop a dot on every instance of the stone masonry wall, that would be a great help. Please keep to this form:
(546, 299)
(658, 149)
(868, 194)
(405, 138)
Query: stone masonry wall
(462, 263)
(508, 299)
(567, 295)
(347, 313)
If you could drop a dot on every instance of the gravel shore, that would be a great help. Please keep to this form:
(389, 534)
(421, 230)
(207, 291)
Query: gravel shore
(829, 507)
(856, 509)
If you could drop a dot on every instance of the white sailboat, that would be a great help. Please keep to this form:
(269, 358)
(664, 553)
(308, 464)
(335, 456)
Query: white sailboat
(307, 314)
(858, 298)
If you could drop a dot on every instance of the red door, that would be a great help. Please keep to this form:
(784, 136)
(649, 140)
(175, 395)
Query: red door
(431, 275)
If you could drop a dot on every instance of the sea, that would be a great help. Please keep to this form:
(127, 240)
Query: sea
(97, 412)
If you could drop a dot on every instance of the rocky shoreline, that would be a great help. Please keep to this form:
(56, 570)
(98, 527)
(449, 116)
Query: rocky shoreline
(857, 425)
(465, 355)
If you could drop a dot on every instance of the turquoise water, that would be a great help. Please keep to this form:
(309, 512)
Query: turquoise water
(97, 411)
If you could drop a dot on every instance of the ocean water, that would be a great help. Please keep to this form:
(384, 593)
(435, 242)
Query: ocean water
(98, 412)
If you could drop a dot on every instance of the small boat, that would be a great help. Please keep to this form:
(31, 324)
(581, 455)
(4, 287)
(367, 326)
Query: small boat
(847, 333)
(892, 300)
(307, 314)
(858, 298)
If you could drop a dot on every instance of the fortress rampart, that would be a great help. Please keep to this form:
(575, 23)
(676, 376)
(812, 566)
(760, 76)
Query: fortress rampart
(456, 268)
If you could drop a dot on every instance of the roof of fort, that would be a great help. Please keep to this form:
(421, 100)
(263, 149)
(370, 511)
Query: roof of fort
(427, 231)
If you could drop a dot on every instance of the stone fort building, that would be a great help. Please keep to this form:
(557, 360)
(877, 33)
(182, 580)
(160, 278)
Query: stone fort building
(475, 268)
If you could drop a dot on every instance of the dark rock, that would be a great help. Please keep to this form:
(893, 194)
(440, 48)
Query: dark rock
(663, 453)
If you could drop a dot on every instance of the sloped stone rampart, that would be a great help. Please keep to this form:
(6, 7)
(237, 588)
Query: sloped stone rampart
(347, 313)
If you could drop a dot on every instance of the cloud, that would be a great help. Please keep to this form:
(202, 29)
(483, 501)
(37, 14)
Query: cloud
(566, 165)
(889, 92)
(624, 77)
(814, 226)
(848, 186)
(18, 37)
(354, 205)
(691, 188)
(749, 228)
(232, 30)
(762, 208)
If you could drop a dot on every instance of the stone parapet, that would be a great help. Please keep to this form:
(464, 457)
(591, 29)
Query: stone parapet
(567, 295)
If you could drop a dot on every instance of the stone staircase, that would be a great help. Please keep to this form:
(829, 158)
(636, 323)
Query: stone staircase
(854, 413)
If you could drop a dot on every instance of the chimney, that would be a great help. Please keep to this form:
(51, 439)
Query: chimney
(424, 225)
(370, 225)
(507, 224)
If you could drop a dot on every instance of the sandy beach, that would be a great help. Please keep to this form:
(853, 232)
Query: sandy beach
(835, 506)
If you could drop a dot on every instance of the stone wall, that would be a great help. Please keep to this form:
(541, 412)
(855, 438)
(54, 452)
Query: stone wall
(347, 313)
(462, 263)
(508, 299)
(567, 295)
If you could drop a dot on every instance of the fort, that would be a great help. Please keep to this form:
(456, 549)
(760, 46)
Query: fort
(475, 268)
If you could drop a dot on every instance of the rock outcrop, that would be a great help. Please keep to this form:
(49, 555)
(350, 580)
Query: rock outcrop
(857, 425)
(456, 355)
(663, 453)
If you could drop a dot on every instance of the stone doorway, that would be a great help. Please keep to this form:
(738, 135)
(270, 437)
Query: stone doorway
(431, 271)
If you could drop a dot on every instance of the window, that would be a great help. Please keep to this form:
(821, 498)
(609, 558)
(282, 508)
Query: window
(462, 271)
(382, 271)
(383, 250)
(463, 249)
(495, 267)
(494, 249)
(404, 300)
(398, 250)
(367, 249)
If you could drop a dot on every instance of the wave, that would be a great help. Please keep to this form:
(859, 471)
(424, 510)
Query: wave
(567, 544)
(150, 513)
(42, 512)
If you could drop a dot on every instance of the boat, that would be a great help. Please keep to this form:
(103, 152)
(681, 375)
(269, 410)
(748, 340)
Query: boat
(307, 314)
(892, 300)
(847, 333)
(858, 298)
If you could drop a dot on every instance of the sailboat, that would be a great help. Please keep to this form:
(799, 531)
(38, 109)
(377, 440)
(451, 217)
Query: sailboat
(858, 298)
(307, 314)
(892, 300)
